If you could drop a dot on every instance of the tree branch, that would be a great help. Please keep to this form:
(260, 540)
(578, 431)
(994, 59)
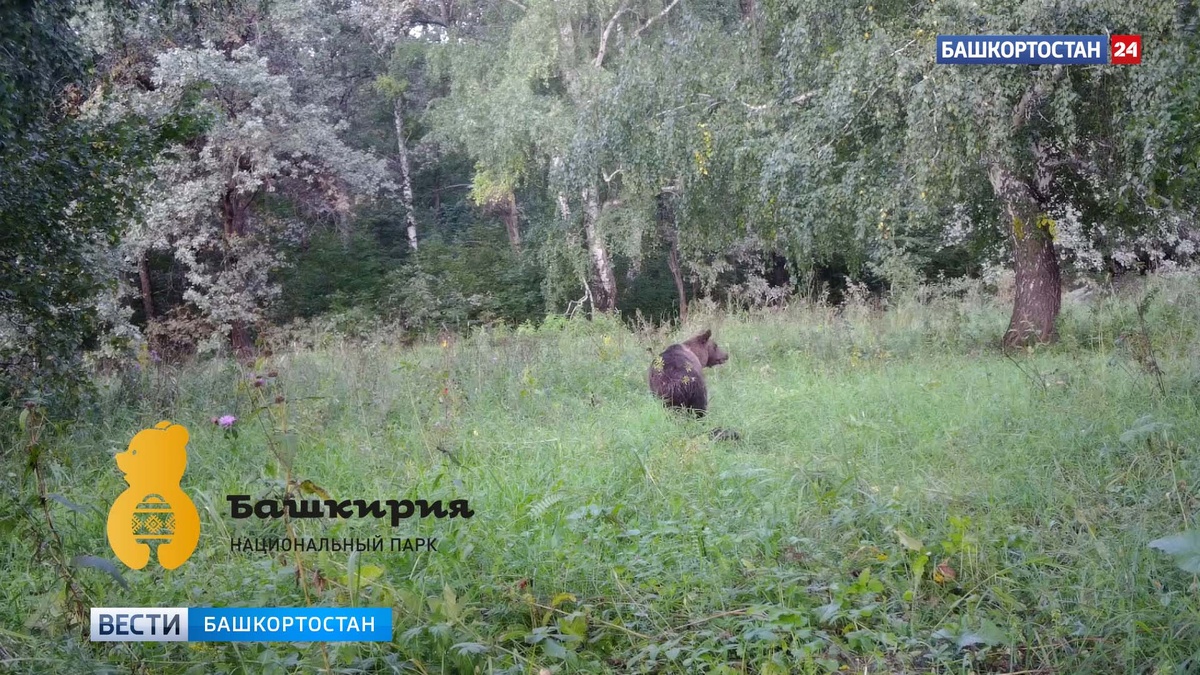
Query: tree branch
(608, 29)
(795, 100)
(656, 17)
(803, 98)
(426, 20)
(1033, 98)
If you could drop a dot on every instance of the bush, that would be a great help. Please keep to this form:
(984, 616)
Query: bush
(454, 285)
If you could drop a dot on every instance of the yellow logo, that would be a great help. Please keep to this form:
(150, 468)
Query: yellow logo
(154, 509)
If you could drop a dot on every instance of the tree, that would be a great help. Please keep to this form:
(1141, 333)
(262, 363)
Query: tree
(399, 35)
(517, 115)
(677, 134)
(215, 203)
(1040, 137)
(65, 182)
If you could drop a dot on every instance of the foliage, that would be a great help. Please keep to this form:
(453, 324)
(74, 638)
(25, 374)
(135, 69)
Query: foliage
(221, 217)
(329, 274)
(454, 285)
(65, 182)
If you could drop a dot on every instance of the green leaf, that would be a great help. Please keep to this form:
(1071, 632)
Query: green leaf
(988, 634)
(826, 613)
(67, 503)
(449, 603)
(469, 648)
(561, 598)
(908, 542)
(311, 488)
(368, 574)
(1144, 428)
(101, 564)
(1184, 548)
(554, 649)
(573, 625)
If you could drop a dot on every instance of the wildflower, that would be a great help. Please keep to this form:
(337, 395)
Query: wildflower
(259, 382)
(279, 398)
(224, 421)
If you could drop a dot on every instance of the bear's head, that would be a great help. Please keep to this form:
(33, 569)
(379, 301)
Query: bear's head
(706, 350)
(156, 457)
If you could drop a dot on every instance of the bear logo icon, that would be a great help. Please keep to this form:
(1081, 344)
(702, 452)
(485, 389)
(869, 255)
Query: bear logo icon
(154, 509)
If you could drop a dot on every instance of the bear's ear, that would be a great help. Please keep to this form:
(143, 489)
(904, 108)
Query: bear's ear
(706, 335)
(178, 434)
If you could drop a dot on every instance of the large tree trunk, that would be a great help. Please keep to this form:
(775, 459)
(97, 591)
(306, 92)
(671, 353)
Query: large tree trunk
(1038, 279)
(1038, 287)
(235, 212)
(144, 278)
(604, 297)
(406, 190)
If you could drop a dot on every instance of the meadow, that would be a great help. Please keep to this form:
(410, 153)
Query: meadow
(904, 498)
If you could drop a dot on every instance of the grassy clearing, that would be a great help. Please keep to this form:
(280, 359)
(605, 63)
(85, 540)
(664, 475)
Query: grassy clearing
(904, 499)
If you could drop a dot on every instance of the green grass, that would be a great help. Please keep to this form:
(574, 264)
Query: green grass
(1038, 482)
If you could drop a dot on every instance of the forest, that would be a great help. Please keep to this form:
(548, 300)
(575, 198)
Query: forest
(376, 248)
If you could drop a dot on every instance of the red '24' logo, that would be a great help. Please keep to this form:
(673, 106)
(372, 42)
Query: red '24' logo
(1126, 49)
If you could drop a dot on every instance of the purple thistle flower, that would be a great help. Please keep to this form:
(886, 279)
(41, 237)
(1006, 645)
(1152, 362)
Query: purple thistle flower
(225, 421)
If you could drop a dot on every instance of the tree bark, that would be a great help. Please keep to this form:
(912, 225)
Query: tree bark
(406, 190)
(233, 212)
(1038, 277)
(239, 338)
(676, 274)
(144, 278)
(605, 296)
(511, 217)
(235, 218)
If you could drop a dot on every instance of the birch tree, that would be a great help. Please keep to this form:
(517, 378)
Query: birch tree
(1030, 153)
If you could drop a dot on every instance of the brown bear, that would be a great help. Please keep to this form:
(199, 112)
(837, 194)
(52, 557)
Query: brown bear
(675, 375)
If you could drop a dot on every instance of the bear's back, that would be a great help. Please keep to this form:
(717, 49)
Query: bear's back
(675, 377)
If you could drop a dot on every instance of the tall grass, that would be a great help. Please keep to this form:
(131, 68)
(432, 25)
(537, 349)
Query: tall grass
(905, 498)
